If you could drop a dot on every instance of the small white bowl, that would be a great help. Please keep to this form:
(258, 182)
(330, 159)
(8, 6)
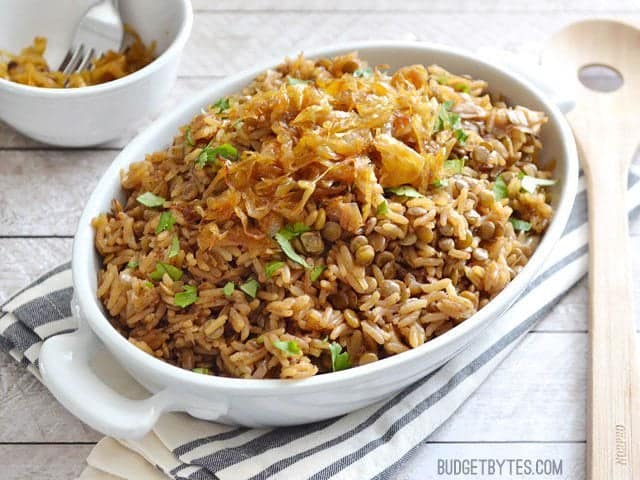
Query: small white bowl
(79, 117)
(65, 359)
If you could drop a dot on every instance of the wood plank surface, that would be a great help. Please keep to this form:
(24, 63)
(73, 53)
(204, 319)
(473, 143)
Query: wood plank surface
(440, 6)
(29, 413)
(231, 41)
(531, 407)
(25, 259)
(42, 462)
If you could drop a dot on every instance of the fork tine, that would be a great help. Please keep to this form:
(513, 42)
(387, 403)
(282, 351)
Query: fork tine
(86, 61)
(65, 60)
(76, 58)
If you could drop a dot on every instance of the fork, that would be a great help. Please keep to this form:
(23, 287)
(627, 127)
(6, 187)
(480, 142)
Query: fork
(101, 29)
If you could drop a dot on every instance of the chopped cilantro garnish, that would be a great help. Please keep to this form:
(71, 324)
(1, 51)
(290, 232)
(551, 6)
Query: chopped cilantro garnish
(404, 191)
(520, 225)
(462, 87)
(162, 268)
(363, 72)
(339, 361)
(185, 298)
(289, 347)
(166, 222)
(250, 287)
(147, 284)
(210, 154)
(175, 247)
(442, 80)
(150, 200)
(317, 271)
(500, 188)
(228, 288)
(273, 267)
(132, 264)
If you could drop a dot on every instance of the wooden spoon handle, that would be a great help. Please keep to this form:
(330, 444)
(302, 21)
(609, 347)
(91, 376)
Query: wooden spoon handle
(614, 437)
(606, 127)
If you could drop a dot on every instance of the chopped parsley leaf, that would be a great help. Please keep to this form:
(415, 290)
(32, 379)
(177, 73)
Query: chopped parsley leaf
(454, 165)
(363, 72)
(446, 119)
(289, 347)
(175, 247)
(317, 271)
(209, 154)
(162, 268)
(284, 241)
(382, 209)
(440, 183)
(166, 222)
(500, 188)
(185, 298)
(461, 136)
(221, 105)
(404, 191)
(188, 137)
(339, 360)
(228, 288)
(250, 287)
(292, 231)
(150, 200)
(296, 81)
(520, 225)
(273, 267)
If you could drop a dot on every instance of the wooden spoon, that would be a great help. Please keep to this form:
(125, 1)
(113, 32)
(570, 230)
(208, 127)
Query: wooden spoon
(607, 126)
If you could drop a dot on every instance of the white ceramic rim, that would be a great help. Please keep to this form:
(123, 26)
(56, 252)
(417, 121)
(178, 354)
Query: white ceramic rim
(83, 248)
(173, 49)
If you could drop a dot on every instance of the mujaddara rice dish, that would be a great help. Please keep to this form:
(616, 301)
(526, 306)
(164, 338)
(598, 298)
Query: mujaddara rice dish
(329, 215)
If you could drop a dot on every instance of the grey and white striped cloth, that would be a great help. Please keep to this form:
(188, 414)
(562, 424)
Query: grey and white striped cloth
(369, 443)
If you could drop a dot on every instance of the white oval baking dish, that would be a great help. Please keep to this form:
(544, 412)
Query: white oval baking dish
(65, 359)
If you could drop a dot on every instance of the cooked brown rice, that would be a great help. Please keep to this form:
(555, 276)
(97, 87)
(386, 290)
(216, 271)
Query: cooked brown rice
(327, 206)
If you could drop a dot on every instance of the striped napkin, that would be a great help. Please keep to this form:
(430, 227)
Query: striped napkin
(369, 443)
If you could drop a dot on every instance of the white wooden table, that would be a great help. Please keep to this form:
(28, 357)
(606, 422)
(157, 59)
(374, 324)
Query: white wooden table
(533, 406)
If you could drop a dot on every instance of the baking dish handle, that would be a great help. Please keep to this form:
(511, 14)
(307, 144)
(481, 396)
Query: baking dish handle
(66, 371)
